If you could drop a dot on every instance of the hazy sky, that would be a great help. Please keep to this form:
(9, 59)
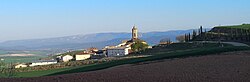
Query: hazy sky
(28, 19)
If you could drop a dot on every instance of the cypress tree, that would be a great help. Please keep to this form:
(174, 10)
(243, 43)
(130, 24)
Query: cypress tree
(194, 35)
(189, 36)
(201, 30)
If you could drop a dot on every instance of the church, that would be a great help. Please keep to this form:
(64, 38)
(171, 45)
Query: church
(124, 48)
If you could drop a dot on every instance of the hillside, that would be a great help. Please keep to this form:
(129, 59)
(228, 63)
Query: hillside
(243, 26)
(98, 40)
(236, 33)
(231, 29)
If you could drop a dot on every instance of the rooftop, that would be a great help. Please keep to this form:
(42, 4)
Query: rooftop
(118, 47)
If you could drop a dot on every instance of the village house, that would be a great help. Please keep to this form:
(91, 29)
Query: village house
(21, 65)
(118, 51)
(92, 50)
(67, 58)
(42, 62)
(83, 56)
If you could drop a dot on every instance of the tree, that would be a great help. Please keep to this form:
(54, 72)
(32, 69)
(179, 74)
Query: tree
(194, 34)
(10, 70)
(7, 70)
(2, 65)
(165, 41)
(139, 46)
(181, 38)
(201, 30)
(189, 37)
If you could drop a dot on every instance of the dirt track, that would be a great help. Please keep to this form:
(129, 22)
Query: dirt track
(214, 68)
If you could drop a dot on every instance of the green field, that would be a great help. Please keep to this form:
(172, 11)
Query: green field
(156, 56)
(17, 59)
(21, 59)
(3, 52)
(243, 26)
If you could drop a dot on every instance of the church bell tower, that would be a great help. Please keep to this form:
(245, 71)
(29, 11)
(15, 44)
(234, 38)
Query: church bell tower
(134, 33)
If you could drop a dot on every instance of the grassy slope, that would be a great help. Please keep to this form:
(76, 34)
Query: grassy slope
(157, 56)
(243, 26)
(182, 46)
(48, 72)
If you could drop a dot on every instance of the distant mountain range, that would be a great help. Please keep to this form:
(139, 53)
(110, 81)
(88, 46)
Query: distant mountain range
(98, 40)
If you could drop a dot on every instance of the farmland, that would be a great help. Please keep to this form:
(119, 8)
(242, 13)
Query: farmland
(156, 56)
(21, 56)
(185, 60)
(37, 52)
(230, 66)
(18, 59)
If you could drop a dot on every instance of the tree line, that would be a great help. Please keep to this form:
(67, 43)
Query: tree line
(217, 34)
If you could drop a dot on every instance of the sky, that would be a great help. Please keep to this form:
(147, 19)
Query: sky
(33, 19)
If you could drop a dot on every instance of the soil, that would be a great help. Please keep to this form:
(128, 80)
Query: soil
(225, 67)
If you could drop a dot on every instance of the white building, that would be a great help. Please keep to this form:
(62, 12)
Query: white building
(21, 66)
(43, 62)
(118, 51)
(67, 58)
(82, 56)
